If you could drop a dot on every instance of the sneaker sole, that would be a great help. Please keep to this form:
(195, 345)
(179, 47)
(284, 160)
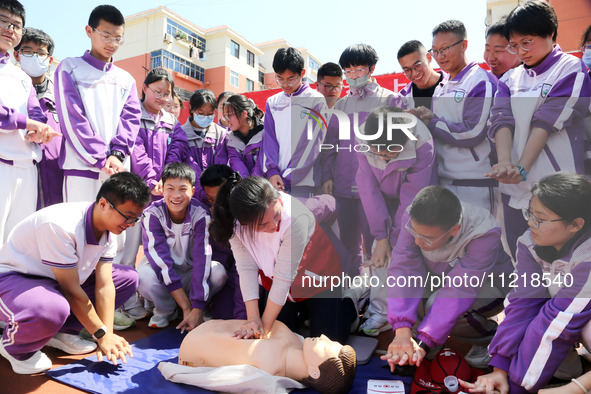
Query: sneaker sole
(121, 328)
(17, 368)
(70, 350)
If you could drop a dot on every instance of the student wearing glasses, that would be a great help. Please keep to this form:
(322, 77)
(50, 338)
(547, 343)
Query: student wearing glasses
(549, 308)
(416, 66)
(19, 112)
(458, 118)
(288, 155)
(496, 55)
(340, 168)
(98, 108)
(57, 276)
(330, 82)
(443, 236)
(537, 120)
(34, 53)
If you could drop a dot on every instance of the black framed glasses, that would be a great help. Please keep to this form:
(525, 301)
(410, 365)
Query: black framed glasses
(29, 53)
(17, 28)
(536, 221)
(443, 51)
(330, 88)
(417, 67)
(128, 219)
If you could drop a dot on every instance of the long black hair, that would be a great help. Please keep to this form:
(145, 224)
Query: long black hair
(243, 200)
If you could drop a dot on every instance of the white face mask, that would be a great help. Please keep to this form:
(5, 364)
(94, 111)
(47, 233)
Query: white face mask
(359, 82)
(33, 66)
(587, 57)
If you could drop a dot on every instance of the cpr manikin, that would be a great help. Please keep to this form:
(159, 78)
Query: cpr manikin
(320, 363)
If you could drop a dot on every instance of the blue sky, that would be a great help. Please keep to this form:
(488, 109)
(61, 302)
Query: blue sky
(325, 27)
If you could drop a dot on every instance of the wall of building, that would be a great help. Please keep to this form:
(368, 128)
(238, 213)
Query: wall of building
(574, 16)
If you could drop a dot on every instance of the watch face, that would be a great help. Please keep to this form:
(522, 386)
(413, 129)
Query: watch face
(99, 333)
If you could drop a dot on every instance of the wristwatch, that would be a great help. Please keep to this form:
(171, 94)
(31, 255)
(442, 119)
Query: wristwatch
(100, 333)
(422, 345)
(522, 172)
(118, 155)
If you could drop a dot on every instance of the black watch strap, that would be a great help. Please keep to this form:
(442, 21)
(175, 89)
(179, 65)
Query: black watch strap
(119, 155)
(423, 345)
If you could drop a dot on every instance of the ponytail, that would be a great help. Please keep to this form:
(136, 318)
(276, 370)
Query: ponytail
(222, 220)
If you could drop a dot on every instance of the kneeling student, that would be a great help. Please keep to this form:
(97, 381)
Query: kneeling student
(443, 237)
(57, 275)
(178, 253)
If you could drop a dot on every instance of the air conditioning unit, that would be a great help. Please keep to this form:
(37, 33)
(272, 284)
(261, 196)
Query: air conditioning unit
(168, 38)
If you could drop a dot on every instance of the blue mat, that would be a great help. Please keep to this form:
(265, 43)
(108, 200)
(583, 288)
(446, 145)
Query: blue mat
(141, 375)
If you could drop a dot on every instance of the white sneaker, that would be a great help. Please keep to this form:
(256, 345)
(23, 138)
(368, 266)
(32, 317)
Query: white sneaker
(137, 313)
(372, 326)
(162, 321)
(121, 321)
(478, 356)
(39, 362)
(71, 344)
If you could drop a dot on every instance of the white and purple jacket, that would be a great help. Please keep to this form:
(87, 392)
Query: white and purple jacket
(475, 251)
(99, 112)
(342, 166)
(205, 145)
(462, 107)
(555, 96)
(157, 144)
(542, 323)
(184, 246)
(18, 101)
(387, 189)
(286, 149)
(243, 157)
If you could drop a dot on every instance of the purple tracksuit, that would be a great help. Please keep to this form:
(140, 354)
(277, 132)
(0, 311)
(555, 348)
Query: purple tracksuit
(286, 149)
(475, 251)
(542, 323)
(387, 189)
(342, 166)
(244, 152)
(157, 144)
(52, 176)
(554, 96)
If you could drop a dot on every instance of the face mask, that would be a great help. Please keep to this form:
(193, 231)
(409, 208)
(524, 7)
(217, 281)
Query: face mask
(33, 66)
(359, 82)
(203, 121)
(587, 57)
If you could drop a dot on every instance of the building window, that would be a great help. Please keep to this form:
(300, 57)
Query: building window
(173, 62)
(313, 64)
(181, 32)
(184, 94)
(234, 79)
(250, 58)
(235, 49)
(262, 77)
(249, 85)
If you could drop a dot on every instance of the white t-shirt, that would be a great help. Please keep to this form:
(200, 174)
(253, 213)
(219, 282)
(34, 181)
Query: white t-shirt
(59, 236)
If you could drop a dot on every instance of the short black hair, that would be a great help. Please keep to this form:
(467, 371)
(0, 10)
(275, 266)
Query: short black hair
(536, 18)
(378, 118)
(451, 26)
(436, 206)
(200, 97)
(178, 171)
(38, 37)
(567, 195)
(329, 70)
(358, 55)
(108, 13)
(215, 175)
(498, 28)
(409, 47)
(586, 37)
(224, 95)
(125, 186)
(14, 7)
(158, 74)
(288, 59)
